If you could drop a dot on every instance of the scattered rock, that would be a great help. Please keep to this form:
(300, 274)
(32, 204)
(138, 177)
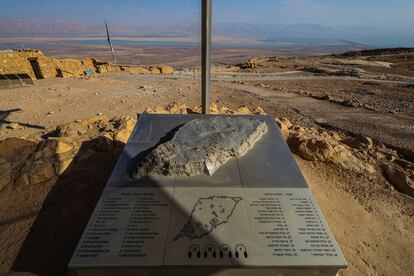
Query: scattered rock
(156, 110)
(71, 130)
(313, 147)
(85, 154)
(154, 70)
(124, 128)
(214, 109)
(5, 181)
(258, 111)
(166, 69)
(13, 126)
(224, 110)
(406, 164)
(359, 142)
(41, 171)
(62, 166)
(285, 125)
(24, 163)
(343, 156)
(262, 85)
(399, 178)
(177, 108)
(243, 110)
(51, 147)
(180, 108)
(146, 87)
(195, 110)
(105, 142)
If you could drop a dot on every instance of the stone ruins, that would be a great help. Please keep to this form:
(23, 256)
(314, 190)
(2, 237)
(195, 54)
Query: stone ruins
(38, 66)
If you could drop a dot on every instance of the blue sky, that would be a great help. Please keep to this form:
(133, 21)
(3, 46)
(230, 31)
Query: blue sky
(378, 13)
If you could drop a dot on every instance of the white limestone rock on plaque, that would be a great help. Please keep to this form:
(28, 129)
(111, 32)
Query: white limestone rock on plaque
(201, 146)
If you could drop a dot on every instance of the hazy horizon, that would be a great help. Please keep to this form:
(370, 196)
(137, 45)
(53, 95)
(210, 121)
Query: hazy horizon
(374, 23)
(380, 13)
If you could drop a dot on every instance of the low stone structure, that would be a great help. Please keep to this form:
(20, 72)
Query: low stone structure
(38, 66)
(254, 62)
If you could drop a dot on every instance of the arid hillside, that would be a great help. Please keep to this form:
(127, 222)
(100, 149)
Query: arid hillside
(347, 119)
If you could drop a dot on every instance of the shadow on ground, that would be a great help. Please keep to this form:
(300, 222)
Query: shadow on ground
(56, 231)
(6, 113)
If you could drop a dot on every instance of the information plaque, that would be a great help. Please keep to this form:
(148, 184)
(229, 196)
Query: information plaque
(254, 215)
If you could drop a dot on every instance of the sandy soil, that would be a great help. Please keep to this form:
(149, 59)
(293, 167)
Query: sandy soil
(375, 239)
(372, 224)
(53, 102)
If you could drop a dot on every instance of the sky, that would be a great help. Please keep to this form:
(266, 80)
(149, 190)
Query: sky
(364, 13)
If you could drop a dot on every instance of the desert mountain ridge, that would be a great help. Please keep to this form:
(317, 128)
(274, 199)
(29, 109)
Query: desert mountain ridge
(299, 32)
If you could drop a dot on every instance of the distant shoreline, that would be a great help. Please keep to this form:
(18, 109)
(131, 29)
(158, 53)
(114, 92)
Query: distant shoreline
(128, 42)
(177, 41)
(181, 52)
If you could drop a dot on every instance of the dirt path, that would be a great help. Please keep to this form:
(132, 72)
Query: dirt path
(395, 130)
(235, 76)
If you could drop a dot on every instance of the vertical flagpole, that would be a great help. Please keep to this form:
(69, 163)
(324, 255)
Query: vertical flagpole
(206, 15)
(110, 43)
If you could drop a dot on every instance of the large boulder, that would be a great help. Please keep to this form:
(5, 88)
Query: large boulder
(359, 142)
(284, 125)
(154, 70)
(310, 148)
(123, 129)
(313, 147)
(13, 154)
(402, 180)
(53, 146)
(50, 159)
(166, 69)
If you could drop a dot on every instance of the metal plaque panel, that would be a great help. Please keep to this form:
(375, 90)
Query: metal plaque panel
(209, 226)
(125, 228)
(253, 212)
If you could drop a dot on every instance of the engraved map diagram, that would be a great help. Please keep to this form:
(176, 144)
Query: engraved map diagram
(208, 214)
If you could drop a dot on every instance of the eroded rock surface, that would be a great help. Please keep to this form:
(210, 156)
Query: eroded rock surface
(201, 146)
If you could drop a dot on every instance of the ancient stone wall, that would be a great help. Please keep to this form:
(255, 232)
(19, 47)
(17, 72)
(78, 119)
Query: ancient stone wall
(15, 63)
(19, 62)
(73, 67)
(135, 69)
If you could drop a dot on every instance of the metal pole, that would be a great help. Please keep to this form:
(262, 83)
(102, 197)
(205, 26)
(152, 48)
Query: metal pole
(110, 43)
(206, 11)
